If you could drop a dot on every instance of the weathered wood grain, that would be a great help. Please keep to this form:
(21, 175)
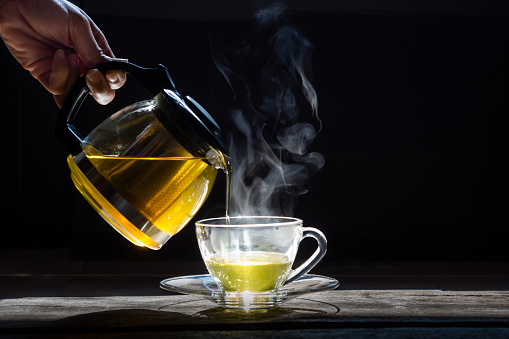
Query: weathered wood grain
(335, 306)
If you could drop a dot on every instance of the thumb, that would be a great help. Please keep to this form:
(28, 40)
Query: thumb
(88, 41)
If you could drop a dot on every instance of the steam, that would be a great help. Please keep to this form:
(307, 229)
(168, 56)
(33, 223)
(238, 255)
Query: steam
(270, 143)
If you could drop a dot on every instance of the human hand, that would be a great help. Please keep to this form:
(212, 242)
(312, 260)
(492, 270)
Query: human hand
(57, 43)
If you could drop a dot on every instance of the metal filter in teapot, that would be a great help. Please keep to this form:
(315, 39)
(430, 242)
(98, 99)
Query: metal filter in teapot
(149, 167)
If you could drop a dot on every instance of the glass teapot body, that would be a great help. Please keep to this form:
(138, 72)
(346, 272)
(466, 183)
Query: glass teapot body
(148, 168)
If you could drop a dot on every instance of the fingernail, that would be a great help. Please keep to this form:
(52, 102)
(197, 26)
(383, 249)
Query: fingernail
(93, 77)
(112, 77)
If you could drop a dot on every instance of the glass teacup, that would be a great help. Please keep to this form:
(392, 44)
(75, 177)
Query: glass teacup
(255, 254)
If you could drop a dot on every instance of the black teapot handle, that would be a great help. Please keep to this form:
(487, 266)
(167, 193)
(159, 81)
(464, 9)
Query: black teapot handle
(153, 79)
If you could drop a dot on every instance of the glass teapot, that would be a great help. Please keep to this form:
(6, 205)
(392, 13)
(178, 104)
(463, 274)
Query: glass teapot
(148, 168)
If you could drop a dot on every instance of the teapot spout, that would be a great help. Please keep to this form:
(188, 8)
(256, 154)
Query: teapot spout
(218, 160)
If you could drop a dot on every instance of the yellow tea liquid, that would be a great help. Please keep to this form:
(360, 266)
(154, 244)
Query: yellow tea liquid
(250, 271)
(168, 191)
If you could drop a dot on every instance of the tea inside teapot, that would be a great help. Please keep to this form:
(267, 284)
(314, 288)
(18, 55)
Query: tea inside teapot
(149, 167)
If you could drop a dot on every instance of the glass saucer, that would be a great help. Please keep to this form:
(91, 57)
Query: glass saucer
(205, 285)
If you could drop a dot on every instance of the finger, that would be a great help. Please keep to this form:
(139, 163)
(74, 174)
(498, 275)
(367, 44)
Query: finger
(99, 87)
(84, 41)
(59, 73)
(116, 79)
(101, 39)
(74, 70)
(74, 75)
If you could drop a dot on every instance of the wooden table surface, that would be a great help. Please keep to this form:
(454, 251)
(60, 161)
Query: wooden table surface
(360, 313)
(102, 300)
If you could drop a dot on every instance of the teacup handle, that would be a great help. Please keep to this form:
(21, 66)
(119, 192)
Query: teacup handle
(315, 258)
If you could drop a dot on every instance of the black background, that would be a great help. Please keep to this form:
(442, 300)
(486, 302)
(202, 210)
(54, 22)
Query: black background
(413, 105)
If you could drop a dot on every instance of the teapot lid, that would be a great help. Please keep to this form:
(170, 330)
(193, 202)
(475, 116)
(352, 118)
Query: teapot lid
(189, 123)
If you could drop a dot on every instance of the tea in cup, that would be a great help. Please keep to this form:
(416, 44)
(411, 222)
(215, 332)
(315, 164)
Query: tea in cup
(255, 254)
